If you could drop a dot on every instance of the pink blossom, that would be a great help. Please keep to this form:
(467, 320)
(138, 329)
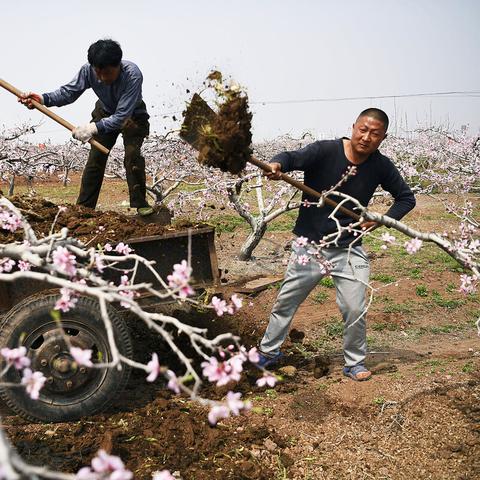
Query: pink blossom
(220, 306)
(217, 412)
(105, 467)
(64, 261)
(163, 475)
(86, 473)
(107, 247)
(267, 379)
(300, 242)
(123, 249)
(237, 302)
(67, 301)
(173, 382)
(9, 221)
(413, 245)
(33, 382)
(303, 259)
(253, 355)
(223, 372)
(24, 266)
(105, 463)
(387, 238)
(16, 357)
(468, 284)
(82, 357)
(6, 265)
(99, 265)
(130, 294)
(153, 367)
(234, 403)
(180, 278)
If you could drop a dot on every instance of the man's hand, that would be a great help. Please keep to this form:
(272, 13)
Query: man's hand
(85, 132)
(26, 99)
(368, 225)
(275, 173)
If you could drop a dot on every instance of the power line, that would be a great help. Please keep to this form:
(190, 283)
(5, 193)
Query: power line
(464, 93)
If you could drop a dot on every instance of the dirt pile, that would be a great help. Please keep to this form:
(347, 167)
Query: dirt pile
(85, 224)
(223, 139)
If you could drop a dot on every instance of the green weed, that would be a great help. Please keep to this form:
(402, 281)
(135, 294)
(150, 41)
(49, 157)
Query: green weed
(383, 277)
(421, 290)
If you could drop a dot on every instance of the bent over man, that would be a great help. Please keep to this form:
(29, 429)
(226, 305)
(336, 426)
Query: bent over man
(324, 163)
(119, 109)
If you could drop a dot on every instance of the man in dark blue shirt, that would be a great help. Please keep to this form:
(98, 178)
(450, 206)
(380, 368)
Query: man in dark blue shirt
(324, 163)
(120, 109)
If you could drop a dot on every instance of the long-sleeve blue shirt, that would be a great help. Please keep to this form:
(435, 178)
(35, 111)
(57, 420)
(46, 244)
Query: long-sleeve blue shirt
(324, 162)
(121, 99)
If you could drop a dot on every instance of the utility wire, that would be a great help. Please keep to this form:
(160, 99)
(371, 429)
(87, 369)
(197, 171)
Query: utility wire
(466, 93)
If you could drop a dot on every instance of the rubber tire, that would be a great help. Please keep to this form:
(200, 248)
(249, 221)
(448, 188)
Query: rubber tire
(33, 312)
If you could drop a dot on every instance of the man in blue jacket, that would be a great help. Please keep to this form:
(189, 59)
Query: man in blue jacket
(324, 163)
(119, 109)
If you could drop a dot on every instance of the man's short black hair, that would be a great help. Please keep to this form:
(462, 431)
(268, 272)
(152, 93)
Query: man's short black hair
(105, 53)
(377, 114)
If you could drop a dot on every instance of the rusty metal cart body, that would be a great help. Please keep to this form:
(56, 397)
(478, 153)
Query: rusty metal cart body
(73, 391)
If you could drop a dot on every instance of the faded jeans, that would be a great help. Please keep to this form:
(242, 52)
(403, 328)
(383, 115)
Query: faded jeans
(350, 274)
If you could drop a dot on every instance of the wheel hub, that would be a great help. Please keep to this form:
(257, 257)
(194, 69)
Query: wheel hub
(54, 360)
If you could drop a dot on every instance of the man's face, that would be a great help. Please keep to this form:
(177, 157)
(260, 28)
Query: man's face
(107, 75)
(367, 135)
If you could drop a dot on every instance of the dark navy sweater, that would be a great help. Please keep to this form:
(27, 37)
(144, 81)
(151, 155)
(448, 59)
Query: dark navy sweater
(323, 163)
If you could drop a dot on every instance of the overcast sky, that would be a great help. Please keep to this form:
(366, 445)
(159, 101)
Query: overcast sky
(279, 50)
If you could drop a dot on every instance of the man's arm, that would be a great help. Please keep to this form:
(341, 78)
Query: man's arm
(404, 200)
(302, 159)
(70, 92)
(126, 105)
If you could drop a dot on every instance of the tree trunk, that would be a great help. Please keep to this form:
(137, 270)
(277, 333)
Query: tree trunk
(65, 177)
(252, 241)
(11, 185)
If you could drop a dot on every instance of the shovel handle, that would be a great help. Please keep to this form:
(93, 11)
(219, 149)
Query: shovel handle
(53, 116)
(304, 188)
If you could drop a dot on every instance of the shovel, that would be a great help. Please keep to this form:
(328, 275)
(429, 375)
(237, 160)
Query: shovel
(53, 116)
(204, 115)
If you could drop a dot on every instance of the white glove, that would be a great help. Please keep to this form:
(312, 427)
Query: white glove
(85, 132)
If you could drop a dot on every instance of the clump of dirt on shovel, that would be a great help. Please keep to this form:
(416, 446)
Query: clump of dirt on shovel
(223, 139)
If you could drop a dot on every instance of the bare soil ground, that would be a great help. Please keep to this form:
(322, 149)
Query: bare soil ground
(418, 417)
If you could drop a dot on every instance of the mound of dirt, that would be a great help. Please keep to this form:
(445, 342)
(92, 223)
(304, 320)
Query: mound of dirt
(223, 139)
(166, 433)
(88, 225)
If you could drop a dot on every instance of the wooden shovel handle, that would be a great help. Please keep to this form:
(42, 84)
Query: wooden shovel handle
(304, 188)
(53, 116)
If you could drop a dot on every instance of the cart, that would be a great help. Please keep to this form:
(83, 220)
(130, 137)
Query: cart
(73, 391)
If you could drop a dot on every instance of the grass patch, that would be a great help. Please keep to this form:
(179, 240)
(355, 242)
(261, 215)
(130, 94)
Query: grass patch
(228, 223)
(320, 297)
(383, 277)
(327, 282)
(421, 290)
(334, 329)
(283, 223)
(415, 273)
(439, 300)
(469, 367)
(380, 327)
(405, 307)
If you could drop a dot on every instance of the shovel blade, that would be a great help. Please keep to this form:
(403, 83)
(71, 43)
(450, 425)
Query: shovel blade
(198, 115)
